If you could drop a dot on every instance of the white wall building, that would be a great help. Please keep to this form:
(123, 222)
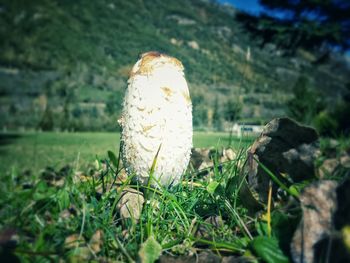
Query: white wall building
(239, 130)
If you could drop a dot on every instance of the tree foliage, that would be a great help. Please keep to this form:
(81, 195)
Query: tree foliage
(311, 24)
(306, 103)
(232, 110)
(47, 123)
(114, 103)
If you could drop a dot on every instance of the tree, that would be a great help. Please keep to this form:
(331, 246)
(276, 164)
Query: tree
(311, 24)
(114, 103)
(217, 124)
(232, 110)
(334, 121)
(306, 103)
(46, 123)
(200, 109)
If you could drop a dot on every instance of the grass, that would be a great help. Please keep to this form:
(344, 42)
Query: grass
(75, 214)
(36, 151)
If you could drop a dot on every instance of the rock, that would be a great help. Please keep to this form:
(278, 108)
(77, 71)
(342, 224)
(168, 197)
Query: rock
(326, 212)
(202, 158)
(49, 174)
(204, 230)
(318, 203)
(338, 245)
(181, 20)
(130, 204)
(122, 177)
(65, 171)
(237, 49)
(330, 148)
(205, 256)
(342, 215)
(345, 161)
(178, 259)
(208, 257)
(73, 241)
(205, 167)
(193, 44)
(198, 156)
(176, 42)
(328, 167)
(333, 144)
(65, 214)
(56, 178)
(229, 154)
(234, 259)
(96, 241)
(284, 147)
(216, 221)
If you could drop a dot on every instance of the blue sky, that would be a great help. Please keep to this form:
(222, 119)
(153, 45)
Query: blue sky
(251, 6)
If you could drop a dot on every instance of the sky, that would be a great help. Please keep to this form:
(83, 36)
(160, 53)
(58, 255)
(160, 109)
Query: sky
(251, 6)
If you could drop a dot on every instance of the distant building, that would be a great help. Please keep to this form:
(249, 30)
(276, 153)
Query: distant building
(240, 129)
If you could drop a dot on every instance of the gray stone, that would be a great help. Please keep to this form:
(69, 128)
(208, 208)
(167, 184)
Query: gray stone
(334, 246)
(205, 229)
(198, 156)
(235, 259)
(229, 154)
(130, 204)
(285, 148)
(178, 259)
(208, 257)
(318, 203)
(345, 161)
(328, 167)
(205, 256)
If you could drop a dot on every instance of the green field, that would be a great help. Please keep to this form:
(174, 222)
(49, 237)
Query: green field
(35, 151)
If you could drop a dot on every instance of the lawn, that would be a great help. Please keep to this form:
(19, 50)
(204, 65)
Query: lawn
(35, 151)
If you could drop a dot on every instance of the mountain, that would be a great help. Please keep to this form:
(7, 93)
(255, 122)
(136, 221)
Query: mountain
(64, 64)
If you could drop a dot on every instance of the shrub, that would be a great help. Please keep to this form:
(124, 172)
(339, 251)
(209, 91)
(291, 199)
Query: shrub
(325, 124)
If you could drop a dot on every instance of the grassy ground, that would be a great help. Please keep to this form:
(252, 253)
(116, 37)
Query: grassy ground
(76, 216)
(82, 216)
(37, 150)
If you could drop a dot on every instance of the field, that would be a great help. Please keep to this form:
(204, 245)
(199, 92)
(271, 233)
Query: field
(35, 151)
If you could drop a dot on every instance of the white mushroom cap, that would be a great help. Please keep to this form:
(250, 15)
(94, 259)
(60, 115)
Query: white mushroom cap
(157, 114)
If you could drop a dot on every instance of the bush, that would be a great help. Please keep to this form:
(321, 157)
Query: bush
(46, 123)
(325, 124)
(306, 103)
(334, 122)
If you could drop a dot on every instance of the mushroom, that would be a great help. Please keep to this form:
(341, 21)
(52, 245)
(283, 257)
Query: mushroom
(157, 120)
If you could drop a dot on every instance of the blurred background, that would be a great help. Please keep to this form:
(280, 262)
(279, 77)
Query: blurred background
(64, 65)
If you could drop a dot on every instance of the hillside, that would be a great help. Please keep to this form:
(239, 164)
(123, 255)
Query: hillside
(64, 64)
